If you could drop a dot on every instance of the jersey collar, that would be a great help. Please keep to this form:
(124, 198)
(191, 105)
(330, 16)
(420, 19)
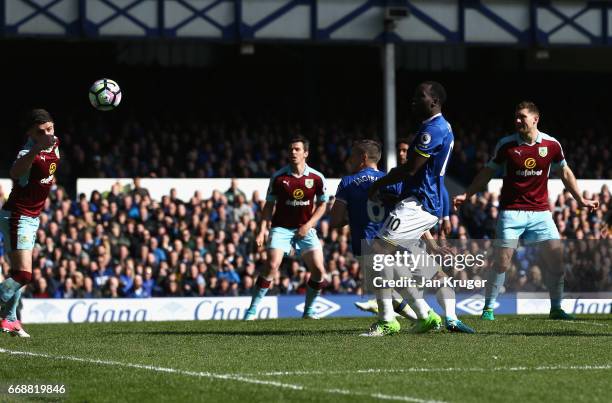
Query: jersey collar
(305, 173)
(432, 118)
(369, 169)
(520, 140)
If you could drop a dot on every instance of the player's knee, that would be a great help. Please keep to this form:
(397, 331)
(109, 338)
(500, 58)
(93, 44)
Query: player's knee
(273, 265)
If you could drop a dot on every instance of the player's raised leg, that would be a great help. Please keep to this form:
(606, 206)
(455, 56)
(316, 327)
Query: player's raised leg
(11, 324)
(21, 260)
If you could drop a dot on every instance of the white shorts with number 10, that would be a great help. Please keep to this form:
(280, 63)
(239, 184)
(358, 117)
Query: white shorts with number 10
(407, 223)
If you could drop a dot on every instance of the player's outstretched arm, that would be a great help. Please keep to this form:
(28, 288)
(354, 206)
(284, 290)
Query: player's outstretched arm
(478, 184)
(24, 163)
(569, 181)
(412, 166)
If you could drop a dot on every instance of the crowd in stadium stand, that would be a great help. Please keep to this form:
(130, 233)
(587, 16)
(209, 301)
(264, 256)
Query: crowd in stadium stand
(125, 244)
(257, 150)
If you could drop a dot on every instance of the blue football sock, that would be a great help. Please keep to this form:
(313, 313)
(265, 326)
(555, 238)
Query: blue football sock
(311, 295)
(12, 306)
(494, 283)
(555, 285)
(258, 295)
(8, 288)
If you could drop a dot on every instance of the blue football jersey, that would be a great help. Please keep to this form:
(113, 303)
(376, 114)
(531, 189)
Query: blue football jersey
(365, 216)
(434, 140)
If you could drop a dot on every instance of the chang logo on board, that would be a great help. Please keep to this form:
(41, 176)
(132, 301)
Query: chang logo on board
(82, 311)
(229, 309)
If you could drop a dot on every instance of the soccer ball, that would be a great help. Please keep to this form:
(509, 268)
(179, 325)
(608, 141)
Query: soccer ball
(105, 94)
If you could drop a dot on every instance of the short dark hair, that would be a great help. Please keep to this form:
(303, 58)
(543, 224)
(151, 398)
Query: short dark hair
(437, 91)
(371, 148)
(402, 140)
(529, 105)
(36, 117)
(300, 139)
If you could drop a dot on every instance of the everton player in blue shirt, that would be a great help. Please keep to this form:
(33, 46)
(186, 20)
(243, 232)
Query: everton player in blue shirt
(366, 217)
(422, 178)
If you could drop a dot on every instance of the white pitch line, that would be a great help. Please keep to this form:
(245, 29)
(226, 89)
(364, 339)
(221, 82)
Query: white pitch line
(586, 322)
(406, 370)
(210, 375)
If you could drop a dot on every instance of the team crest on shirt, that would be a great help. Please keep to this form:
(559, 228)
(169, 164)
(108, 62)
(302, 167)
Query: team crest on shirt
(52, 168)
(543, 151)
(425, 138)
(309, 183)
(298, 194)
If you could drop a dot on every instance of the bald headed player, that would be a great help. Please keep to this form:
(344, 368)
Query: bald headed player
(295, 202)
(33, 174)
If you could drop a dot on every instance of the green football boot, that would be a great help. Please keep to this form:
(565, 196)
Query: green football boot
(487, 314)
(432, 322)
(383, 328)
(560, 314)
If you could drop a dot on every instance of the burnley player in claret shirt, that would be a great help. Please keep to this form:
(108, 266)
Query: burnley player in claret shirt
(526, 158)
(33, 175)
(295, 202)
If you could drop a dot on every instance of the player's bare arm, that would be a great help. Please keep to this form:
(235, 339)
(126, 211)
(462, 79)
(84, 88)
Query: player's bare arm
(316, 216)
(477, 185)
(266, 217)
(446, 227)
(569, 180)
(413, 165)
(338, 215)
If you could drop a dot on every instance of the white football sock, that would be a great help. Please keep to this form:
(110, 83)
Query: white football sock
(446, 299)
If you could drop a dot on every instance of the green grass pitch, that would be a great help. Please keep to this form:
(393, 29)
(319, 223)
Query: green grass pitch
(514, 359)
